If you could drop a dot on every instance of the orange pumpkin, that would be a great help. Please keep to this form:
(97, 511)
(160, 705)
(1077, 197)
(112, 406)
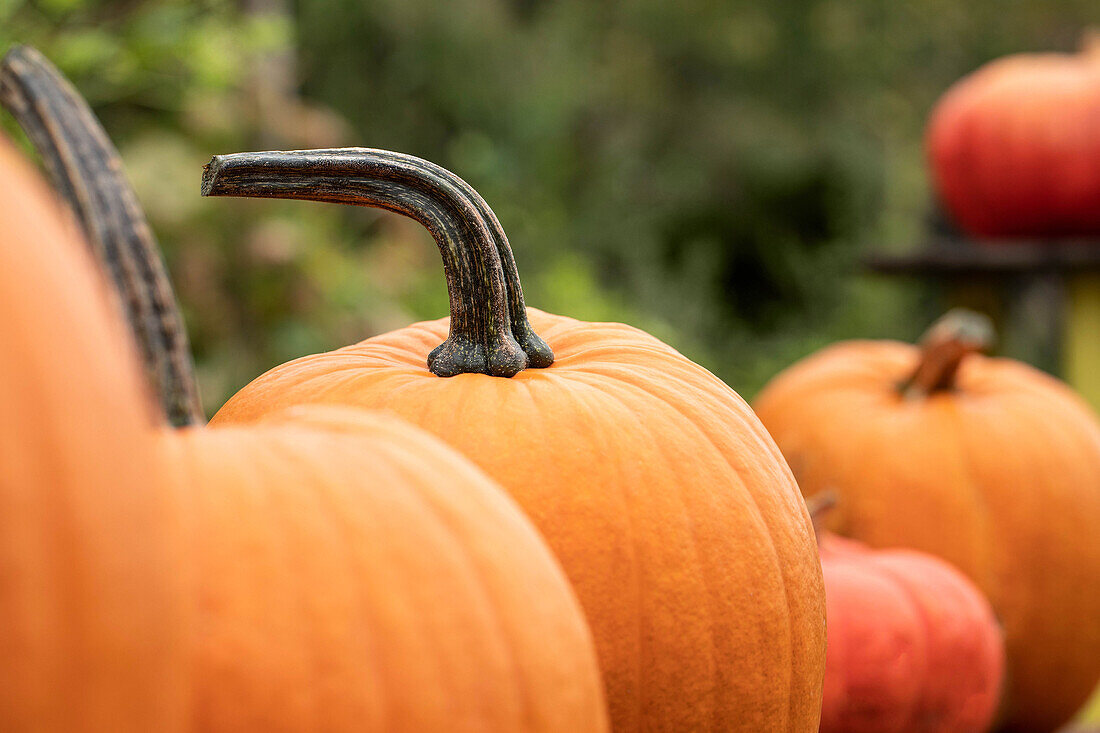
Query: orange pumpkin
(350, 572)
(355, 574)
(668, 505)
(987, 463)
(1015, 147)
(913, 645)
(92, 608)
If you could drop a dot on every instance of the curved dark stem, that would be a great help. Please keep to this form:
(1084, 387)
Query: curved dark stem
(483, 335)
(86, 170)
(539, 354)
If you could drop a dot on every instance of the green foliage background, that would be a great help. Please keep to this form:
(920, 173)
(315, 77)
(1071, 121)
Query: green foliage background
(708, 170)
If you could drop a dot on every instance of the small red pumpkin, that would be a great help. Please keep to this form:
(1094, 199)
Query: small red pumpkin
(1015, 146)
(912, 644)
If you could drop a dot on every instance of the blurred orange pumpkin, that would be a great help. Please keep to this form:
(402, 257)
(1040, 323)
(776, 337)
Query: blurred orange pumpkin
(1015, 147)
(987, 463)
(92, 605)
(913, 645)
(344, 571)
(667, 503)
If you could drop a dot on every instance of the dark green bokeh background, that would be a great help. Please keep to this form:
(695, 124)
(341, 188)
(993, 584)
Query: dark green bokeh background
(707, 170)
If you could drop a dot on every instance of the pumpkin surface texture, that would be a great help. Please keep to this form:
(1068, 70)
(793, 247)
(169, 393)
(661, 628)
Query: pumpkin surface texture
(668, 505)
(913, 645)
(348, 572)
(1014, 147)
(987, 463)
(92, 608)
(356, 574)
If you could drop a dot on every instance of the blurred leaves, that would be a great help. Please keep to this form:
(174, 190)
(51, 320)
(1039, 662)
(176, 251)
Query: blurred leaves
(709, 171)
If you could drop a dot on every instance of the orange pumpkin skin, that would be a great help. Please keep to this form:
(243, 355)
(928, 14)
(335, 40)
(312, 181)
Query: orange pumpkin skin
(346, 572)
(913, 645)
(1000, 477)
(1014, 148)
(355, 574)
(92, 608)
(668, 505)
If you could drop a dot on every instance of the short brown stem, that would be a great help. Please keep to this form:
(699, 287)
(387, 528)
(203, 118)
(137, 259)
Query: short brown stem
(490, 333)
(945, 345)
(819, 506)
(1090, 44)
(87, 171)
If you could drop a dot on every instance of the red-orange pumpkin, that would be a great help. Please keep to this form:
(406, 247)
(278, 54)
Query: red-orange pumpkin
(913, 645)
(92, 607)
(1015, 147)
(668, 505)
(987, 463)
(348, 572)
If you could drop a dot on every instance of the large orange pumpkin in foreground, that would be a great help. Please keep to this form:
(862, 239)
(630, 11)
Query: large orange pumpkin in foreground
(92, 606)
(1014, 147)
(913, 645)
(987, 463)
(668, 505)
(349, 572)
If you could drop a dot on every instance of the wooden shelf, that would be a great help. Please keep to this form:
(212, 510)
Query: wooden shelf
(1044, 295)
(948, 257)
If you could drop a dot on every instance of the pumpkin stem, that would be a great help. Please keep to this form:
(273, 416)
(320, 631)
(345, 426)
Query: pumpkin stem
(489, 332)
(951, 339)
(85, 167)
(819, 505)
(1090, 44)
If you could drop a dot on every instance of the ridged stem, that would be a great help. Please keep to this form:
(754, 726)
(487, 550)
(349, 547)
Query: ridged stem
(87, 171)
(538, 351)
(489, 332)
